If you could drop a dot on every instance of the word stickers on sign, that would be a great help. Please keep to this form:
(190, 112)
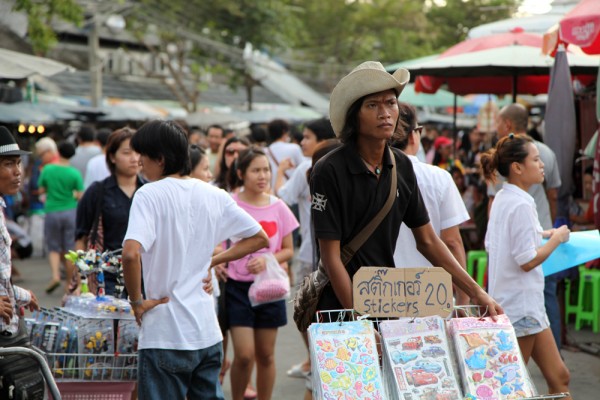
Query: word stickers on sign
(402, 292)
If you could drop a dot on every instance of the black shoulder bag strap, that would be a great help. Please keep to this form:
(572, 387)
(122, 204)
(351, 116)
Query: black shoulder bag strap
(92, 241)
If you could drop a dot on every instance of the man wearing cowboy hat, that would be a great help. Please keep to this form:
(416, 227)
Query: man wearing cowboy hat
(10, 183)
(350, 185)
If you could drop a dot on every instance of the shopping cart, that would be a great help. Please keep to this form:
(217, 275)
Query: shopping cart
(39, 357)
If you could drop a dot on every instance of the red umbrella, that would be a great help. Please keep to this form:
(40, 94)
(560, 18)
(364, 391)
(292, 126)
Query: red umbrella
(430, 84)
(581, 26)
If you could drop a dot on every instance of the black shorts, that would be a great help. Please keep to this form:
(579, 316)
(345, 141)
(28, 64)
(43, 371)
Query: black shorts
(241, 313)
(23, 252)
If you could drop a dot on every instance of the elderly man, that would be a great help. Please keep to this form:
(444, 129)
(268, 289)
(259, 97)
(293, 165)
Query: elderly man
(10, 183)
(351, 184)
(12, 327)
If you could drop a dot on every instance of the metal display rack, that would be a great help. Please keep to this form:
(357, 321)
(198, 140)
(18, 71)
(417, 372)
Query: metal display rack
(345, 315)
(94, 376)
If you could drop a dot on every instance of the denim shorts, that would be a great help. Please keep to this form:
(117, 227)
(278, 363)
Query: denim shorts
(241, 313)
(179, 374)
(529, 326)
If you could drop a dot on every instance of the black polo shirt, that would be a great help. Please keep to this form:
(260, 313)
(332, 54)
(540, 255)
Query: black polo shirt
(115, 211)
(346, 196)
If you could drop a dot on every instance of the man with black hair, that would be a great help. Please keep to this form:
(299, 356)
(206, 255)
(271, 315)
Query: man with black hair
(97, 169)
(351, 184)
(280, 149)
(87, 148)
(215, 136)
(175, 222)
(442, 199)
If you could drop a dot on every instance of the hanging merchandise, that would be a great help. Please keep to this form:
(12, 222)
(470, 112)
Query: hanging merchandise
(489, 359)
(345, 363)
(417, 359)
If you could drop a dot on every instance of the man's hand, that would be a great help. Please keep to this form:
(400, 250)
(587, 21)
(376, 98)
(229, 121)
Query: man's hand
(487, 305)
(256, 265)
(6, 310)
(207, 283)
(34, 303)
(285, 164)
(147, 305)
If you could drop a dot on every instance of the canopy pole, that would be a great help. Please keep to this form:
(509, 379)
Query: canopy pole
(454, 129)
(514, 88)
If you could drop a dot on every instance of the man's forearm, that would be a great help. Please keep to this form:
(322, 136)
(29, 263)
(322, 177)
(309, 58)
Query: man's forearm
(452, 239)
(132, 274)
(241, 249)
(432, 247)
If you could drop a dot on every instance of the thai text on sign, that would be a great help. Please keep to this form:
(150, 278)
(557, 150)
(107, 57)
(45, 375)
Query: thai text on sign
(402, 292)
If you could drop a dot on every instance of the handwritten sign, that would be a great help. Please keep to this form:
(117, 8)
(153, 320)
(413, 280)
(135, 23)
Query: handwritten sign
(402, 292)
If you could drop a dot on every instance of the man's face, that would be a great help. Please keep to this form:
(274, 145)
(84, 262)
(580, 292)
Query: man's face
(10, 174)
(503, 126)
(215, 137)
(378, 115)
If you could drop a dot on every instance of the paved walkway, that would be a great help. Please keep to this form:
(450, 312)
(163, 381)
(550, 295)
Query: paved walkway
(585, 368)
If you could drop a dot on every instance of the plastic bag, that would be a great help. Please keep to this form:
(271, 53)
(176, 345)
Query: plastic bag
(270, 285)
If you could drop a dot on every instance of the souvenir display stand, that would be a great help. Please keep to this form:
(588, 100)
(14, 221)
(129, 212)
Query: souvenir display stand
(428, 358)
(91, 342)
(91, 347)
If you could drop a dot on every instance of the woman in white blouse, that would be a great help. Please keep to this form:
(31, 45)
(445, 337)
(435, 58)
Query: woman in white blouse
(514, 243)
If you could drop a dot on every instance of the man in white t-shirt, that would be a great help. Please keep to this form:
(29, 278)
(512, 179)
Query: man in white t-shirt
(281, 149)
(87, 148)
(443, 201)
(175, 222)
(97, 169)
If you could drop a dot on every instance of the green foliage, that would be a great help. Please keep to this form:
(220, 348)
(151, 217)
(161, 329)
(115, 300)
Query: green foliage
(452, 21)
(40, 15)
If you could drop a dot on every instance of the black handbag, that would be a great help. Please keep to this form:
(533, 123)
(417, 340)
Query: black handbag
(20, 375)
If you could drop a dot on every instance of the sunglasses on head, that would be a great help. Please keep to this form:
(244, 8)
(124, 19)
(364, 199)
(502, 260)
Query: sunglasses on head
(418, 129)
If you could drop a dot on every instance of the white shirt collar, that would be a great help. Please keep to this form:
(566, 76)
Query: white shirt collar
(518, 191)
(412, 158)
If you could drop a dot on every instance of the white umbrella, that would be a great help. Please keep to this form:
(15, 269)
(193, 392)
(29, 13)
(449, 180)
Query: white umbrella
(502, 61)
(14, 65)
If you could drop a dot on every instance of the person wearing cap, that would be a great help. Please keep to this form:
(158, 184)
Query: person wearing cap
(11, 296)
(444, 154)
(351, 184)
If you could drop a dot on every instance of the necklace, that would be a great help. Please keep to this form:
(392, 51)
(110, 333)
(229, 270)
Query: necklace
(376, 167)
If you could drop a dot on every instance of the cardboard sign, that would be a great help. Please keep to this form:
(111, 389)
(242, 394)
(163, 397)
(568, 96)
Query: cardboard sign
(402, 292)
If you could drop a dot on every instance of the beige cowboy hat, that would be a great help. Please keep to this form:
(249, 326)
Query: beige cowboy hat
(369, 77)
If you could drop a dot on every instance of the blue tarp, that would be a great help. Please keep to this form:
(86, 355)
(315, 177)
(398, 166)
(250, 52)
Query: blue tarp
(582, 247)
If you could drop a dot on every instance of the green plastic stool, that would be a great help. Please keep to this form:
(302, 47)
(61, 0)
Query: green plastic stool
(479, 258)
(570, 308)
(589, 285)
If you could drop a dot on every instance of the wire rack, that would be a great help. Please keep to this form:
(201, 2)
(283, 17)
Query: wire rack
(93, 367)
(345, 315)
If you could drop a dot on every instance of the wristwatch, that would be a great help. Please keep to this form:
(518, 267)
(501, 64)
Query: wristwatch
(137, 302)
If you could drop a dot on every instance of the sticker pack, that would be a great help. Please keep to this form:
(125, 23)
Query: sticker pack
(418, 362)
(490, 361)
(345, 363)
